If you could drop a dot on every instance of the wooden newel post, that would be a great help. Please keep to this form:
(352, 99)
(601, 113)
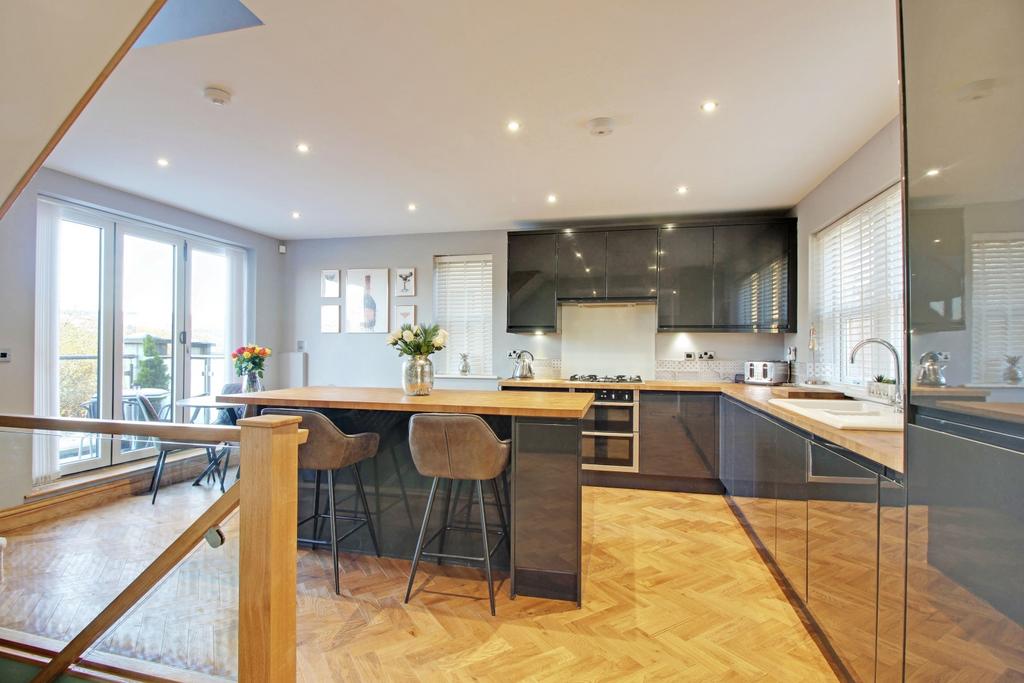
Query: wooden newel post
(267, 548)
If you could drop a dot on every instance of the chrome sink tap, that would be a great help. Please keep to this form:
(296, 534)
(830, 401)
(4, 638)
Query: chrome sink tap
(897, 400)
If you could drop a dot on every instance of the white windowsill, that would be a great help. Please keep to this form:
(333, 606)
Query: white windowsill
(491, 377)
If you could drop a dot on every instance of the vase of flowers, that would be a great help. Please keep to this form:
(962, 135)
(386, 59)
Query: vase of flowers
(416, 343)
(249, 362)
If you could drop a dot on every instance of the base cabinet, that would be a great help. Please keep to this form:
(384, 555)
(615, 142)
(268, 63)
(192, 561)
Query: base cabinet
(679, 435)
(831, 526)
(842, 557)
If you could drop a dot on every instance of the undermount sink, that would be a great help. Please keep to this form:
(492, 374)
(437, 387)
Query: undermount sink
(845, 414)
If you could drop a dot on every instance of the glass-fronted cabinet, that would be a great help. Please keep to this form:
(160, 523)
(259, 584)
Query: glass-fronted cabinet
(963, 89)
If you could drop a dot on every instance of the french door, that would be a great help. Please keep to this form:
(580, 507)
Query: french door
(144, 317)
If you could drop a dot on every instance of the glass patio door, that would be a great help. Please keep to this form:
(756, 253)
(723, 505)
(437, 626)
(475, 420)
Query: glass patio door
(150, 337)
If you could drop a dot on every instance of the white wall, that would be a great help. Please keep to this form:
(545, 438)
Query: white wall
(17, 288)
(871, 169)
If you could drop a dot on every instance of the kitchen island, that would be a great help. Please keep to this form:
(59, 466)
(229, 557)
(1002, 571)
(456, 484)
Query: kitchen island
(543, 557)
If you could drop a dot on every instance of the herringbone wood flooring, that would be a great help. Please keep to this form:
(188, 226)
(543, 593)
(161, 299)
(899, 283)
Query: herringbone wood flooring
(673, 590)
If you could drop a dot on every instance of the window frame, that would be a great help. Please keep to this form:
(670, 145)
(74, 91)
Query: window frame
(448, 367)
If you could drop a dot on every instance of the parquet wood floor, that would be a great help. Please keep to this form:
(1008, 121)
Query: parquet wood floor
(673, 590)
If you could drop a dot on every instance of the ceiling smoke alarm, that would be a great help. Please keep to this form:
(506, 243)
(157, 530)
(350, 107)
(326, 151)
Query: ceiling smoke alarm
(217, 95)
(601, 126)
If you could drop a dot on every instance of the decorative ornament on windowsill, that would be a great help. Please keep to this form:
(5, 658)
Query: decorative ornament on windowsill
(882, 387)
(249, 361)
(1012, 374)
(464, 368)
(417, 342)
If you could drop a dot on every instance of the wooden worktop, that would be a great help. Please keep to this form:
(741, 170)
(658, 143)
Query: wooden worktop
(510, 403)
(1007, 412)
(884, 448)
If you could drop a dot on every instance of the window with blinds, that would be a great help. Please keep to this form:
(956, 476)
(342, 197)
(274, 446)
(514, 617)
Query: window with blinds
(997, 304)
(857, 271)
(463, 302)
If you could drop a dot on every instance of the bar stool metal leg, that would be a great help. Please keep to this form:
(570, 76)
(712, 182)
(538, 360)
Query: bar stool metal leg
(419, 541)
(501, 511)
(487, 545)
(334, 530)
(447, 517)
(366, 507)
(316, 505)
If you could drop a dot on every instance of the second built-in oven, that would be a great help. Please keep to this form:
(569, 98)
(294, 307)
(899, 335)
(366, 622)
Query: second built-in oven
(609, 431)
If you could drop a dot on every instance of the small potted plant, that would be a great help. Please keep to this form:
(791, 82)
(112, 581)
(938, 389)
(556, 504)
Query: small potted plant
(249, 362)
(882, 387)
(416, 343)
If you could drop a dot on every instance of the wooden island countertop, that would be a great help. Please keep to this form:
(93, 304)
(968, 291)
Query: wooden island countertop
(563, 406)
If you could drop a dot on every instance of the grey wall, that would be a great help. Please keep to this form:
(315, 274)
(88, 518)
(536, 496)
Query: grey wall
(17, 288)
(364, 359)
(871, 169)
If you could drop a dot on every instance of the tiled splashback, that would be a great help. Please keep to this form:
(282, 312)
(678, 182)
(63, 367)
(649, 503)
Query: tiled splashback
(706, 370)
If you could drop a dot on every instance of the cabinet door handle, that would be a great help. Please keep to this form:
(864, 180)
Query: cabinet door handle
(813, 478)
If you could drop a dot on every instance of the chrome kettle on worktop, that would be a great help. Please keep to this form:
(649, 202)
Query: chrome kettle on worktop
(929, 371)
(523, 365)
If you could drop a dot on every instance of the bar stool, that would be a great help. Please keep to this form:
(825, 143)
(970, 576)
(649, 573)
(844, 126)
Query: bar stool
(328, 449)
(463, 448)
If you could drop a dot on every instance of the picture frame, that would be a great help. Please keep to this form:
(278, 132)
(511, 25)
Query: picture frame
(366, 300)
(330, 318)
(405, 282)
(330, 284)
(405, 313)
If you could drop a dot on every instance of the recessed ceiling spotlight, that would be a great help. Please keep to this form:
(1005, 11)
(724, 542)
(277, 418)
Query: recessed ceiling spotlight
(163, 163)
(932, 172)
(682, 189)
(512, 126)
(296, 215)
(601, 126)
(302, 148)
(552, 199)
(411, 207)
(708, 106)
(217, 95)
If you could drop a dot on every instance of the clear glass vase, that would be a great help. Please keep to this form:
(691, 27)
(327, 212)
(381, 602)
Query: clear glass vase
(417, 376)
(251, 383)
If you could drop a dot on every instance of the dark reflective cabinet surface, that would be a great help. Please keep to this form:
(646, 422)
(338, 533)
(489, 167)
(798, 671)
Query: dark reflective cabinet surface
(531, 282)
(582, 261)
(632, 264)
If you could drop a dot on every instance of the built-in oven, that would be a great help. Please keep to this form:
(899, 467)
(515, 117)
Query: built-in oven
(610, 439)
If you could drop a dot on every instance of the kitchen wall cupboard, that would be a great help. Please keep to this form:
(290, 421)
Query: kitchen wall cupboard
(531, 282)
(728, 273)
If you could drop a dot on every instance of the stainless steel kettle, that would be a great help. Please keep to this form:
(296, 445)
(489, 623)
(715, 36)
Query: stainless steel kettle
(523, 367)
(929, 371)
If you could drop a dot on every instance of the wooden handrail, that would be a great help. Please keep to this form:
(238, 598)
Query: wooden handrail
(169, 431)
(143, 583)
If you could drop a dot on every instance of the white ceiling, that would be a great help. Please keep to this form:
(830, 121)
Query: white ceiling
(50, 53)
(406, 101)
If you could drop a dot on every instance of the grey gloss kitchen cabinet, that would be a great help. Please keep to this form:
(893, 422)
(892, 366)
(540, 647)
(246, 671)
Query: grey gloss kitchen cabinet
(582, 266)
(531, 282)
(632, 264)
(685, 278)
(842, 557)
(752, 276)
(679, 434)
(789, 476)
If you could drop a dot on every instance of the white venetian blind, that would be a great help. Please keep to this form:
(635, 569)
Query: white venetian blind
(857, 265)
(463, 296)
(997, 304)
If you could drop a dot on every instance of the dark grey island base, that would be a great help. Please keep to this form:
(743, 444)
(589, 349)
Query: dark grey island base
(542, 495)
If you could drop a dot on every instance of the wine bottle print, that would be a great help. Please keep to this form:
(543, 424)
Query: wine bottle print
(369, 307)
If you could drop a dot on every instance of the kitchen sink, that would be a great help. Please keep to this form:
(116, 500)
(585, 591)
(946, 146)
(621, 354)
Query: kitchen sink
(845, 414)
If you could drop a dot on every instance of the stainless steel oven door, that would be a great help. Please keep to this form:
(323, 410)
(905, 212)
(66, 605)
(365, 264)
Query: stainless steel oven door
(610, 417)
(610, 451)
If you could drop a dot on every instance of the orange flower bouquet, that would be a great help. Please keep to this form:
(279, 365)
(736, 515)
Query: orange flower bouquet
(249, 361)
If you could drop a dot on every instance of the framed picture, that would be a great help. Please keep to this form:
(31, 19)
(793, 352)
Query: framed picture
(330, 318)
(405, 313)
(366, 300)
(405, 282)
(330, 284)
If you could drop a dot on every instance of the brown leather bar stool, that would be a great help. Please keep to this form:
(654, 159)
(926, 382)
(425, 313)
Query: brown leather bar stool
(328, 449)
(464, 448)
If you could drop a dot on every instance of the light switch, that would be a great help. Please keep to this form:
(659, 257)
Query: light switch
(5, 355)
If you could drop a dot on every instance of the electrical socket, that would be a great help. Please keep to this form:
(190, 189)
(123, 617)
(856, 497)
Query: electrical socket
(512, 354)
(5, 355)
(943, 356)
(689, 355)
(706, 355)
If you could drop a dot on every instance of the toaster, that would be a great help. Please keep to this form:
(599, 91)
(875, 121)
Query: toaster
(766, 372)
